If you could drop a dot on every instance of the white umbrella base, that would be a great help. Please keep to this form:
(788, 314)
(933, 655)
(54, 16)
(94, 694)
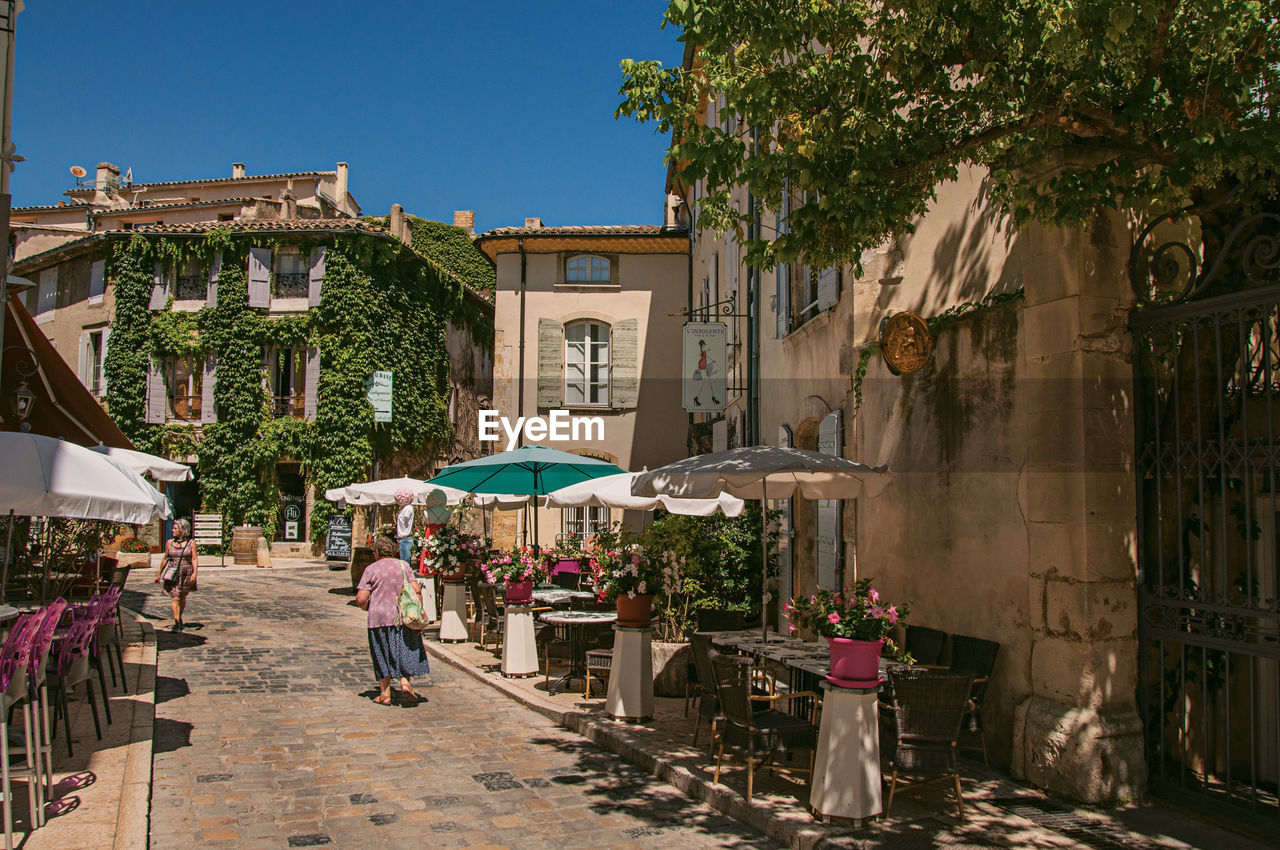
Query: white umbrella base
(453, 618)
(519, 651)
(846, 768)
(630, 697)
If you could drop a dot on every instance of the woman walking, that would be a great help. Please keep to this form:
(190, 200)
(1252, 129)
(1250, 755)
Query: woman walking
(180, 554)
(396, 650)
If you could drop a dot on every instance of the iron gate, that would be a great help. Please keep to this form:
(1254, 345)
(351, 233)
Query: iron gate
(1207, 406)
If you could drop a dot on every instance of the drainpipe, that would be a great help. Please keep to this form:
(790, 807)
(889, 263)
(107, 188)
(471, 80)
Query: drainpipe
(755, 297)
(520, 365)
(689, 301)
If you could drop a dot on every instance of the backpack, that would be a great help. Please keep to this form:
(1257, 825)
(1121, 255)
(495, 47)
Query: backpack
(409, 606)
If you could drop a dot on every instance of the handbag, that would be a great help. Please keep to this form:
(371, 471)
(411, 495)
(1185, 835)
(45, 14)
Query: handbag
(170, 572)
(409, 606)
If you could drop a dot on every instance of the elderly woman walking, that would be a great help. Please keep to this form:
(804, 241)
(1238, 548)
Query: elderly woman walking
(180, 562)
(396, 649)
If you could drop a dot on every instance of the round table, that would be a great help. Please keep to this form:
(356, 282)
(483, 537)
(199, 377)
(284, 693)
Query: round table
(8, 612)
(577, 622)
(559, 596)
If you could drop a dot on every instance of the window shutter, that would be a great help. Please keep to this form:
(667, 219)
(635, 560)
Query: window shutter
(215, 269)
(102, 364)
(97, 278)
(158, 294)
(313, 384)
(828, 288)
(830, 537)
(84, 364)
(259, 277)
(783, 270)
(625, 365)
(208, 407)
(316, 277)
(157, 397)
(550, 363)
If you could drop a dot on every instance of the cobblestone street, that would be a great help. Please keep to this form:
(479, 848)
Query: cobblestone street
(265, 736)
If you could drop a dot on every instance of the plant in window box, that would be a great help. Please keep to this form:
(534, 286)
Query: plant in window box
(519, 569)
(857, 624)
(568, 556)
(451, 551)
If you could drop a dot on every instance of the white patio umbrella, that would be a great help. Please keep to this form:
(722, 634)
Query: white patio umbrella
(614, 491)
(384, 492)
(764, 472)
(161, 469)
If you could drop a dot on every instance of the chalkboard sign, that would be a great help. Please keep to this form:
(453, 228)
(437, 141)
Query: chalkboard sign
(337, 543)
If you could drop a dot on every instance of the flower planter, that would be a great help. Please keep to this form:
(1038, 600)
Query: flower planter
(520, 592)
(456, 575)
(130, 560)
(567, 565)
(670, 668)
(635, 612)
(854, 663)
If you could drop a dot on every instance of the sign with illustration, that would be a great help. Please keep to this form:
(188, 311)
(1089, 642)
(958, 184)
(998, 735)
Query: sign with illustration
(380, 396)
(706, 352)
(905, 342)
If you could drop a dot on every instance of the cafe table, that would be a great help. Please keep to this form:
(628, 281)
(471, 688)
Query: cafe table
(576, 622)
(559, 596)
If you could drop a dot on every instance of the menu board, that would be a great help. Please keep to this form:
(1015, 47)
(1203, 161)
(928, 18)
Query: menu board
(337, 543)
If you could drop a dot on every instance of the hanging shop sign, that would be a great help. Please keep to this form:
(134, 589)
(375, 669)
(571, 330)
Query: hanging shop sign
(380, 396)
(905, 342)
(706, 353)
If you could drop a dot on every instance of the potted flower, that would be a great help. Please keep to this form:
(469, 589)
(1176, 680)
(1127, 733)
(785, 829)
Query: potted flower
(450, 551)
(856, 623)
(628, 573)
(133, 553)
(519, 569)
(568, 556)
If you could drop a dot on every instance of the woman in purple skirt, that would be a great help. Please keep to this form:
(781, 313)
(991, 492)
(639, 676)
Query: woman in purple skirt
(396, 650)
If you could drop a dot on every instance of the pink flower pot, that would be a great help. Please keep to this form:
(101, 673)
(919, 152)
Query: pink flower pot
(854, 663)
(520, 592)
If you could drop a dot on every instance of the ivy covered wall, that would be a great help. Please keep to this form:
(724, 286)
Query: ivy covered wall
(382, 307)
(451, 248)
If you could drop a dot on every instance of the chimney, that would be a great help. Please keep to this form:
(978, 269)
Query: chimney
(341, 188)
(237, 170)
(288, 203)
(108, 177)
(466, 219)
(533, 223)
(399, 226)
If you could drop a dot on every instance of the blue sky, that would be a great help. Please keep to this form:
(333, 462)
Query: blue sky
(501, 107)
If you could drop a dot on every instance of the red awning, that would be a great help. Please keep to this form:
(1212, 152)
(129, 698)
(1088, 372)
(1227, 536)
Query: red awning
(63, 407)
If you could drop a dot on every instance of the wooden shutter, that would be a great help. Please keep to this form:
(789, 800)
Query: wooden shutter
(157, 396)
(624, 364)
(829, 543)
(782, 271)
(84, 360)
(97, 278)
(159, 297)
(828, 288)
(259, 277)
(313, 384)
(215, 269)
(550, 364)
(102, 364)
(316, 277)
(208, 407)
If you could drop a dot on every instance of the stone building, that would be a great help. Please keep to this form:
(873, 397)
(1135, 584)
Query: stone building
(586, 321)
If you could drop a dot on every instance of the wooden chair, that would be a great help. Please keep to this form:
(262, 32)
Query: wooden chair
(928, 707)
(977, 657)
(760, 734)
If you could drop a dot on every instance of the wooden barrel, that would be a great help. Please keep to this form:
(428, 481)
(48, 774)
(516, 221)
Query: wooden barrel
(361, 557)
(244, 544)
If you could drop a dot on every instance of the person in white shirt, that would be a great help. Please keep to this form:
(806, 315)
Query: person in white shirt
(404, 524)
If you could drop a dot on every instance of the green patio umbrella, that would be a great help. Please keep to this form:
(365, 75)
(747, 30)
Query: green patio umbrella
(526, 471)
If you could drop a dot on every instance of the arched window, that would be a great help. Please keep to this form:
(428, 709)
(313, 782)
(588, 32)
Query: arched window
(587, 268)
(586, 365)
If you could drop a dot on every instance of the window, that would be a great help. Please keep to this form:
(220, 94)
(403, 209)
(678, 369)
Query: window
(95, 351)
(812, 291)
(47, 292)
(292, 277)
(186, 388)
(191, 284)
(586, 365)
(288, 382)
(587, 269)
(583, 523)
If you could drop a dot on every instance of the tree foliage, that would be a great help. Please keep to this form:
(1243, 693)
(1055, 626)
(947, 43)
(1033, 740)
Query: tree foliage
(866, 107)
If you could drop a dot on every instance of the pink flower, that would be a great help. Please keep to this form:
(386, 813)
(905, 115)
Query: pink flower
(873, 595)
(877, 612)
(791, 629)
(833, 618)
(893, 613)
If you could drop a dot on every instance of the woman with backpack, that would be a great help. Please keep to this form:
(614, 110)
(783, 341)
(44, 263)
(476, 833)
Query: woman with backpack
(396, 648)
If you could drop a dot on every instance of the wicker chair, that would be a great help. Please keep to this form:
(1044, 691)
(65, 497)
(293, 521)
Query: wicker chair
(761, 734)
(977, 657)
(928, 708)
(489, 616)
(599, 665)
(925, 644)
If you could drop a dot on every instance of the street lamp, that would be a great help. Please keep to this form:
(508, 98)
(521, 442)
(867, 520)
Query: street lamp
(22, 399)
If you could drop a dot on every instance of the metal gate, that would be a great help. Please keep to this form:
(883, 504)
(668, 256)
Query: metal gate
(1207, 406)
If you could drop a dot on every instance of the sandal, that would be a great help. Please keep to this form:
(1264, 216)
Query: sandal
(381, 700)
(409, 696)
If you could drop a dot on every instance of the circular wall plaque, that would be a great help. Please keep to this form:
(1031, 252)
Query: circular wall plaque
(905, 342)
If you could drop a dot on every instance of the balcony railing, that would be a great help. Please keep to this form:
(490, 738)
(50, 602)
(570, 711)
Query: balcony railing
(291, 285)
(283, 406)
(191, 287)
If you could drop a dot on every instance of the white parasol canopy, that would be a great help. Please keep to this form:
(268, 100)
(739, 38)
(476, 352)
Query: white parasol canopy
(161, 469)
(614, 491)
(384, 492)
(764, 472)
(49, 477)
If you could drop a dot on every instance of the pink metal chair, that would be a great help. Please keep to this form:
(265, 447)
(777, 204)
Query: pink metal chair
(38, 690)
(14, 658)
(111, 634)
(73, 669)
